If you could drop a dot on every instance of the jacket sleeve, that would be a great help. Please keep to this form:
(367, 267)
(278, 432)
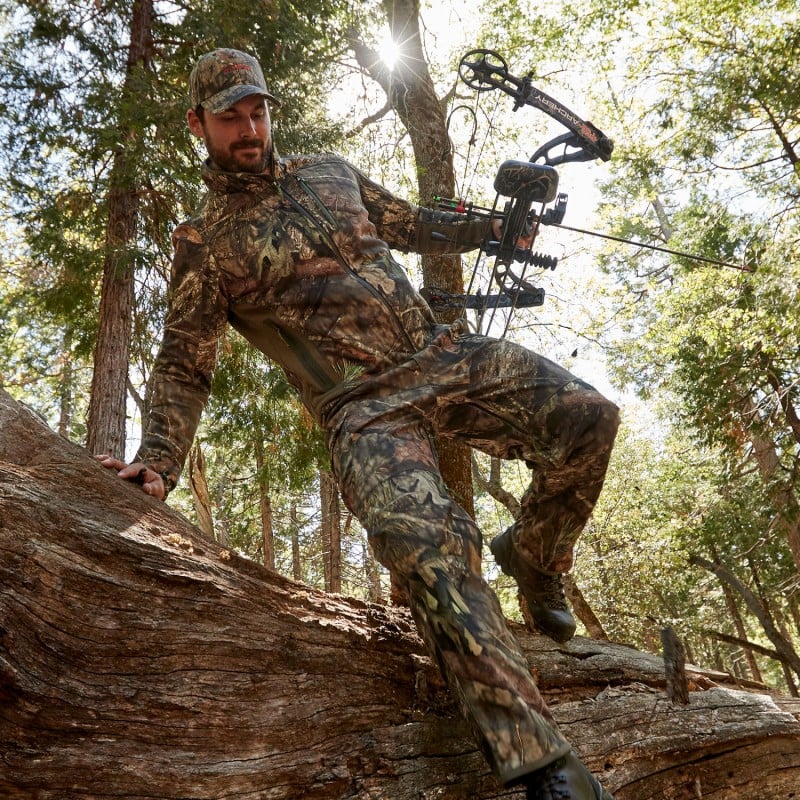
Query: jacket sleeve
(181, 379)
(409, 228)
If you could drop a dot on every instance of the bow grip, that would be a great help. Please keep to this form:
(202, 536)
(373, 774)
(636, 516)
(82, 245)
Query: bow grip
(525, 183)
(534, 183)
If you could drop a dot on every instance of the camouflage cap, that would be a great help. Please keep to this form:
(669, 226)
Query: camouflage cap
(223, 77)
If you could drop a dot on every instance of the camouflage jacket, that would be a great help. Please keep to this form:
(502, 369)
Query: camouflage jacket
(300, 264)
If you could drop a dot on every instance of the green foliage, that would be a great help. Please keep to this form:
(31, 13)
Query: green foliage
(701, 101)
(68, 108)
(707, 165)
(251, 395)
(71, 104)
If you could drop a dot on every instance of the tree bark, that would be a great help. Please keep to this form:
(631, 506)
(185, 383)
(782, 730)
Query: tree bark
(583, 611)
(199, 488)
(330, 526)
(372, 572)
(138, 659)
(782, 491)
(66, 387)
(675, 667)
(264, 506)
(738, 622)
(493, 485)
(297, 562)
(107, 402)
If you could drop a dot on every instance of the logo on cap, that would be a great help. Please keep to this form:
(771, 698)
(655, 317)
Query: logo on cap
(223, 77)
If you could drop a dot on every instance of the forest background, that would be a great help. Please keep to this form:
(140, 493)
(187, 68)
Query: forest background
(698, 527)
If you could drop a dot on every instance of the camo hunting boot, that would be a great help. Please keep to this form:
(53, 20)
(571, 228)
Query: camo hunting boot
(565, 779)
(543, 591)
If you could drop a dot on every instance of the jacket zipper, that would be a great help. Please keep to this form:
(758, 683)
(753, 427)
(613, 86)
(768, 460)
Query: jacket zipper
(335, 249)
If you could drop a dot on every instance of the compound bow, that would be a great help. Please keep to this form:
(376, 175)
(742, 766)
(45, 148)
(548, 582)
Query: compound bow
(525, 184)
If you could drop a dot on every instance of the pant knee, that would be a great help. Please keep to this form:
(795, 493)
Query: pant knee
(608, 420)
(402, 541)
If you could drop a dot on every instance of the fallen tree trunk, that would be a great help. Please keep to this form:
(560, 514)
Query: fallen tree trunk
(138, 659)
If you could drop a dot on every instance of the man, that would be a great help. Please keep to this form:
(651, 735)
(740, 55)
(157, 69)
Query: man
(295, 254)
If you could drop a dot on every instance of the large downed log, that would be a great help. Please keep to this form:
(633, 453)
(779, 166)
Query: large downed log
(138, 659)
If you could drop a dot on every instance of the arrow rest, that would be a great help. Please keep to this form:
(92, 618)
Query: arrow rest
(555, 215)
(525, 184)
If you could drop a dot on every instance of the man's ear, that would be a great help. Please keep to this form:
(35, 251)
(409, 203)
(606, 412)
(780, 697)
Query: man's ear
(193, 121)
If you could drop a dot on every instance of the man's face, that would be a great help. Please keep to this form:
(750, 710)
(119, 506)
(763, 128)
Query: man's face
(238, 139)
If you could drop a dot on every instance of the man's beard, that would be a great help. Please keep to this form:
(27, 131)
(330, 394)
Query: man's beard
(233, 160)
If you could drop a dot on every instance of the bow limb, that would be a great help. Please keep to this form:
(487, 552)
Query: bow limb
(484, 70)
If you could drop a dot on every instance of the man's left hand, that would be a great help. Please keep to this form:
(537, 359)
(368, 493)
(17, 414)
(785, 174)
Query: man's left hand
(150, 481)
(523, 242)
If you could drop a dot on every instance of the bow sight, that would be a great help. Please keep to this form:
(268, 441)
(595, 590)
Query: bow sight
(523, 183)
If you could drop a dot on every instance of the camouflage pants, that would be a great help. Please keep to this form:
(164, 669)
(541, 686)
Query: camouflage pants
(509, 402)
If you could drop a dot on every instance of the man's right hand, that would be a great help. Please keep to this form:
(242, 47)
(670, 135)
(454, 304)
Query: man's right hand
(150, 481)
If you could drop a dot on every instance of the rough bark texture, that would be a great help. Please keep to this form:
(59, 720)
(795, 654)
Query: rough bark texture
(106, 418)
(675, 667)
(138, 659)
(331, 531)
(196, 475)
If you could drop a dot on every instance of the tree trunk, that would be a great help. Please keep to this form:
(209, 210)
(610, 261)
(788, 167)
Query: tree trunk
(331, 524)
(265, 506)
(493, 485)
(783, 647)
(66, 387)
(267, 534)
(675, 667)
(107, 402)
(372, 572)
(199, 488)
(297, 563)
(138, 659)
(780, 489)
(583, 611)
(738, 622)
(412, 95)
